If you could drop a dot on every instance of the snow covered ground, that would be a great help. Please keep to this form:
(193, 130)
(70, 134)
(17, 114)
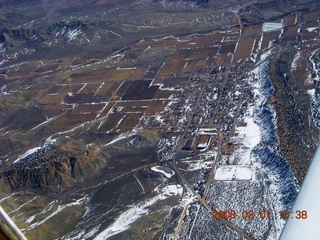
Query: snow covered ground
(271, 26)
(234, 173)
(198, 164)
(27, 153)
(281, 187)
(315, 66)
(164, 170)
(49, 141)
(248, 137)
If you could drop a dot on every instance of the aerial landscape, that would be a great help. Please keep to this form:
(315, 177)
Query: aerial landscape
(149, 119)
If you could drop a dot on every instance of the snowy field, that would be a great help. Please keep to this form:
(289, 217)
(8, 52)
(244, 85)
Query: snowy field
(233, 173)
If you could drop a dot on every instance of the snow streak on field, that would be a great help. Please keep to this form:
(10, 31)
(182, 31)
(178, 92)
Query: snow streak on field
(270, 27)
(59, 208)
(124, 221)
(295, 62)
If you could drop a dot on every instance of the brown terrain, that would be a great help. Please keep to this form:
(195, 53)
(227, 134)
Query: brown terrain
(94, 94)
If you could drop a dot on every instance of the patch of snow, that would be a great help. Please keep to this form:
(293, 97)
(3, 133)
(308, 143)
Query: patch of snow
(158, 118)
(169, 88)
(59, 209)
(314, 69)
(24, 204)
(120, 137)
(198, 165)
(173, 189)
(295, 60)
(91, 233)
(72, 34)
(7, 197)
(2, 92)
(233, 173)
(253, 133)
(30, 219)
(270, 26)
(260, 44)
(120, 121)
(27, 153)
(207, 131)
(124, 221)
(49, 141)
(253, 45)
(158, 169)
(45, 122)
(139, 182)
(116, 34)
(311, 29)
(202, 145)
(248, 137)
(311, 92)
(237, 93)
(187, 198)
(84, 85)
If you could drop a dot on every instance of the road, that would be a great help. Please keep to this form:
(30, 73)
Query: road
(240, 23)
(181, 219)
